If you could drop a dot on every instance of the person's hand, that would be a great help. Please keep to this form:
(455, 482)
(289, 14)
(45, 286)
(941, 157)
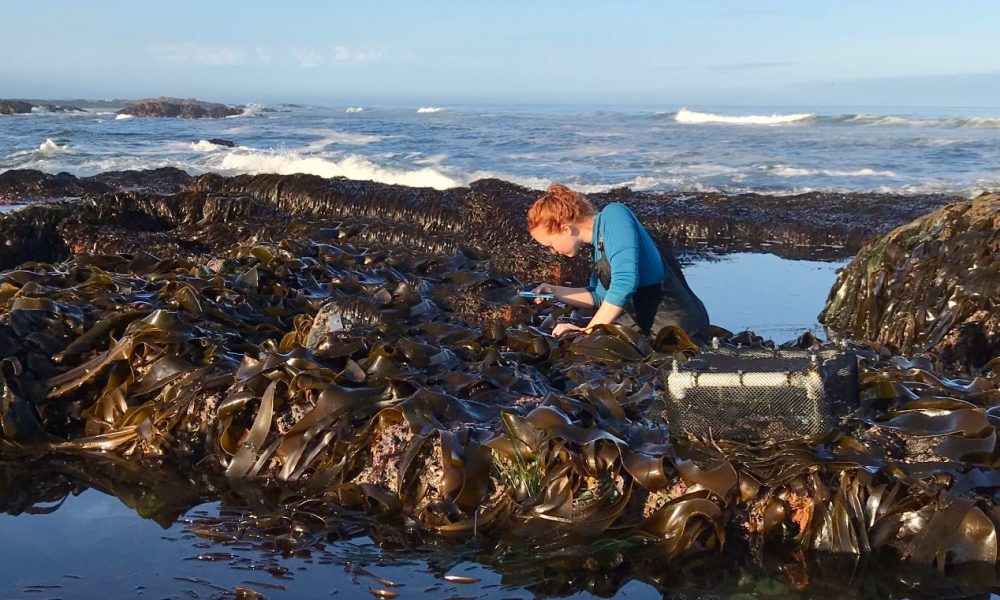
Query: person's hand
(545, 288)
(562, 328)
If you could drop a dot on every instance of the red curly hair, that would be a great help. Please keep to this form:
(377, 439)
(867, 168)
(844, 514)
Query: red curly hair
(559, 206)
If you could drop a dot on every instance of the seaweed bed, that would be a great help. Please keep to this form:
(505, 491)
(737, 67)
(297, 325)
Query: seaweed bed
(166, 344)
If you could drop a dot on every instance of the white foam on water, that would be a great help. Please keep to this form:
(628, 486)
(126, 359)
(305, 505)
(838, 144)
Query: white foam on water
(250, 110)
(639, 183)
(49, 147)
(351, 166)
(706, 170)
(787, 171)
(429, 109)
(947, 187)
(123, 116)
(956, 122)
(354, 109)
(694, 118)
(329, 137)
(432, 160)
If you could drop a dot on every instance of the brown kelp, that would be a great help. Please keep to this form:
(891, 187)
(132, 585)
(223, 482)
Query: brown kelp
(488, 214)
(308, 347)
(432, 398)
(931, 284)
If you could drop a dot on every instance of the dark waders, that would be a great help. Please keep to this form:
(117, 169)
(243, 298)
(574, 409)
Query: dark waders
(652, 307)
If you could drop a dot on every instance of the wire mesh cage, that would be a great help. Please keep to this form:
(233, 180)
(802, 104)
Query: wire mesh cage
(761, 394)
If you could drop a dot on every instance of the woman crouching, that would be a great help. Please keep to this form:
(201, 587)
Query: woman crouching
(631, 282)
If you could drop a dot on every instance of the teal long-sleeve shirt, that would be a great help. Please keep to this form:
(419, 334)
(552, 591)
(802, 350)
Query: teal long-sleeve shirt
(635, 260)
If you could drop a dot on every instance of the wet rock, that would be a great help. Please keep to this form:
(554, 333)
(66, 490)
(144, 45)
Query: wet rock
(14, 107)
(329, 319)
(165, 180)
(222, 142)
(184, 109)
(932, 284)
(18, 186)
(485, 221)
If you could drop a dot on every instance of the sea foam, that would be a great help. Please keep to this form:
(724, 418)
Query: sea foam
(957, 122)
(693, 117)
(786, 171)
(50, 147)
(429, 109)
(351, 166)
(329, 137)
(354, 109)
(205, 146)
(123, 116)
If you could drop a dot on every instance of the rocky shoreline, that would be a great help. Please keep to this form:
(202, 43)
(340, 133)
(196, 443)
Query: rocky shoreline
(182, 108)
(813, 225)
(162, 318)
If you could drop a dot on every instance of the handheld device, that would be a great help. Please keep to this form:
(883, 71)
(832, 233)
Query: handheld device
(534, 295)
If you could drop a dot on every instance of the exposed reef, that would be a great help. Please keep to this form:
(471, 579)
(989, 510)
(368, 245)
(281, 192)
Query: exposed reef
(19, 107)
(932, 284)
(14, 107)
(180, 108)
(489, 213)
(354, 345)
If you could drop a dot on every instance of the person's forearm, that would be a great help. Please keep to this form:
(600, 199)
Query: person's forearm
(607, 313)
(577, 297)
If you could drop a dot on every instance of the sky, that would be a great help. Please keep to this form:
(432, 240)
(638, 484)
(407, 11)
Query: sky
(706, 53)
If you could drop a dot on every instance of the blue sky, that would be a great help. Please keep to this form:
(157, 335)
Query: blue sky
(806, 52)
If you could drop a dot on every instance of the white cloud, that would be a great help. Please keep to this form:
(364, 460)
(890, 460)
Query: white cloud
(345, 56)
(193, 53)
(308, 59)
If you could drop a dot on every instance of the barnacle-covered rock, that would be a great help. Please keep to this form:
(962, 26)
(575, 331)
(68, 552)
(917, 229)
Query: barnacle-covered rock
(932, 284)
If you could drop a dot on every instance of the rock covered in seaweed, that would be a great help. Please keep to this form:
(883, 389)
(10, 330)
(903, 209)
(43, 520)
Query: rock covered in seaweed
(932, 284)
(19, 186)
(179, 329)
(184, 109)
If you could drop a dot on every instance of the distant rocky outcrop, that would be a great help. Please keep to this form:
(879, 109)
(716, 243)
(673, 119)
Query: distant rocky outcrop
(19, 107)
(184, 109)
(60, 108)
(932, 284)
(14, 107)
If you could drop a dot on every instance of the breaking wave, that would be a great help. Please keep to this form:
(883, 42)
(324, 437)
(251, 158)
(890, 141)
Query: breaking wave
(122, 116)
(429, 109)
(205, 146)
(351, 166)
(959, 122)
(329, 137)
(787, 171)
(50, 147)
(693, 117)
(251, 110)
(354, 109)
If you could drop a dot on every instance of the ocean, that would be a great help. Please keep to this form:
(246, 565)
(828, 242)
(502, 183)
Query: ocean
(776, 150)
